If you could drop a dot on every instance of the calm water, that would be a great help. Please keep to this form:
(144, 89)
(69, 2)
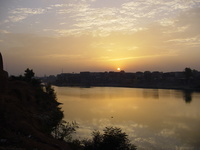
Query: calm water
(153, 119)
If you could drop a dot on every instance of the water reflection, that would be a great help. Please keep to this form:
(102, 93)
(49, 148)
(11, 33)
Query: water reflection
(187, 95)
(151, 93)
(153, 119)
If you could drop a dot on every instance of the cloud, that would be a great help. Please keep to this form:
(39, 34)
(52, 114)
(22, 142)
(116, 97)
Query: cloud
(19, 14)
(17, 18)
(167, 132)
(4, 31)
(155, 8)
(32, 11)
(132, 48)
(184, 29)
(135, 32)
(166, 22)
(129, 17)
(98, 21)
(139, 57)
(76, 17)
(190, 42)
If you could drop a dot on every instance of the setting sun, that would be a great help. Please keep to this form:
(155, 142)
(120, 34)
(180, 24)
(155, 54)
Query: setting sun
(118, 69)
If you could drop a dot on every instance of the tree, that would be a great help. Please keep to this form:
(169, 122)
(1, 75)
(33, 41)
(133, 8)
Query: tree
(29, 74)
(147, 76)
(112, 139)
(115, 139)
(64, 130)
(188, 74)
(50, 91)
(97, 139)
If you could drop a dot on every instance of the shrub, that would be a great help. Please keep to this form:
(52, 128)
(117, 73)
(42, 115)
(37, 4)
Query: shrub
(64, 130)
(112, 139)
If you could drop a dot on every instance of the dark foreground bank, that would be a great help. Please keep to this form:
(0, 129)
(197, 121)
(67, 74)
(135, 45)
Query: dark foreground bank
(27, 117)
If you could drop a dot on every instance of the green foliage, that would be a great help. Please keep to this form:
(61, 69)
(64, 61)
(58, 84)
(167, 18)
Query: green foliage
(64, 130)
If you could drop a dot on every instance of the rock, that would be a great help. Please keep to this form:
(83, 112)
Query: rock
(3, 76)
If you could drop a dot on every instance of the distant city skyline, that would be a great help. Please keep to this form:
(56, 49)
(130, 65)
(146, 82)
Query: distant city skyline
(51, 36)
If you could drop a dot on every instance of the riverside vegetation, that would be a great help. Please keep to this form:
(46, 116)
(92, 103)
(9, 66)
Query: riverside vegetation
(31, 119)
(28, 114)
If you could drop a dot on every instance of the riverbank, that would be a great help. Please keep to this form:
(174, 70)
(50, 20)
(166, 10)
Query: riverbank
(27, 115)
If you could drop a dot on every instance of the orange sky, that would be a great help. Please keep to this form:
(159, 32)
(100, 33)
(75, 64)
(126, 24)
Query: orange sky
(99, 35)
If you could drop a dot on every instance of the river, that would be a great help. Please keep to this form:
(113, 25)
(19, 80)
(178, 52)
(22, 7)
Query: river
(152, 118)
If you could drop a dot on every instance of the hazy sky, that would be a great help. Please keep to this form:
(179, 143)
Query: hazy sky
(49, 36)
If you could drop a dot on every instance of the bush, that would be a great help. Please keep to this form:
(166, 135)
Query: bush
(112, 139)
(64, 130)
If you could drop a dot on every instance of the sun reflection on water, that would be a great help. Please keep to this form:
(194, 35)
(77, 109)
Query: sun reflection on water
(152, 118)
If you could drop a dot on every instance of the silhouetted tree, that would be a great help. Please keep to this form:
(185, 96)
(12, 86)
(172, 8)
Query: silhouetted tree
(112, 139)
(188, 73)
(97, 139)
(115, 139)
(29, 74)
(64, 130)
(147, 76)
(50, 91)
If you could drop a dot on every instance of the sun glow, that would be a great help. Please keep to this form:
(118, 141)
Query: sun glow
(118, 69)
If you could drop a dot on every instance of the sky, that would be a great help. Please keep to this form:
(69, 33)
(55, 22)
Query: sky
(54, 36)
